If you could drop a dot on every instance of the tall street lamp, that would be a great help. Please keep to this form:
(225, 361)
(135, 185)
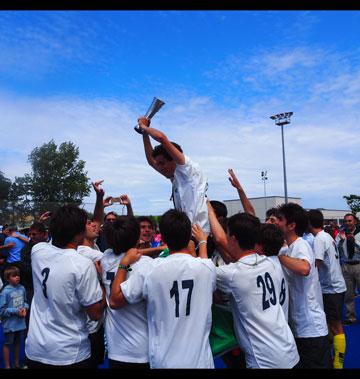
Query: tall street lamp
(283, 119)
(264, 179)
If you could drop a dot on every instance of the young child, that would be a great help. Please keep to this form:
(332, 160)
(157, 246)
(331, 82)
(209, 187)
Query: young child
(13, 309)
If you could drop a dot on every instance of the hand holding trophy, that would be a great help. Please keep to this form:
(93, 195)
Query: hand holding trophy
(153, 109)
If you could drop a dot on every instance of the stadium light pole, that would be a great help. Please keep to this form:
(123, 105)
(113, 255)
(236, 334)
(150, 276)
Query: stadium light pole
(264, 179)
(283, 119)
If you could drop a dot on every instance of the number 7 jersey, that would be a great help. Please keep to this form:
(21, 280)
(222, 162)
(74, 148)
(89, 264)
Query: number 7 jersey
(178, 291)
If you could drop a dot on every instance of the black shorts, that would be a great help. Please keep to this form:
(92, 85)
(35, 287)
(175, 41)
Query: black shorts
(333, 305)
(12, 338)
(119, 365)
(314, 352)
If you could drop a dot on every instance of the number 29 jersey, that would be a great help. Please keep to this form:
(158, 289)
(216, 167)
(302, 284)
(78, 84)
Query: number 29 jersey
(260, 324)
(178, 291)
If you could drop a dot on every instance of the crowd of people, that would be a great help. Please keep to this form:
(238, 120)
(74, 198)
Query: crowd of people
(176, 295)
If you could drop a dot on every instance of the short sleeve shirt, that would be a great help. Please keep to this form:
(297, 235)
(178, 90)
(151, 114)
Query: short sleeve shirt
(129, 323)
(330, 274)
(306, 310)
(260, 324)
(178, 292)
(64, 284)
(189, 189)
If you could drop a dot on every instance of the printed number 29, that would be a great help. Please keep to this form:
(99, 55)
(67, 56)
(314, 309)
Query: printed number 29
(45, 272)
(186, 284)
(267, 286)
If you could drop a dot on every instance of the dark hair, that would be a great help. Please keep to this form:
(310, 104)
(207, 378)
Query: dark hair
(160, 150)
(352, 214)
(175, 229)
(272, 212)
(66, 223)
(271, 239)
(122, 234)
(146, 219)
(110, 213)
(316, 218)
(12, 228)
(11, 271)
(219, 208)
(39, 226)
(246, 229)
(295, 213)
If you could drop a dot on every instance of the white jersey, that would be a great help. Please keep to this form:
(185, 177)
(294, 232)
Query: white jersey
(306, 310)
(91, 253)
(178, 291)
(126, 328)
(284, 287)
(94, 255)
(64, 283)
(330, 274)
(189, 188)
(260, 325)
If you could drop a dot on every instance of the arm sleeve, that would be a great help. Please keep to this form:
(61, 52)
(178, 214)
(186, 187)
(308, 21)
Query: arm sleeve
(4, 310)
(223, 278)
(133, 287)
(319, 249)
(87, 287)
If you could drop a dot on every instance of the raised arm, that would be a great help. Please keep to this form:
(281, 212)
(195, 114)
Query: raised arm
(99, 205)
(201, 238)
(159, 136)
(125, 200)
(248, 208)
(219, 235)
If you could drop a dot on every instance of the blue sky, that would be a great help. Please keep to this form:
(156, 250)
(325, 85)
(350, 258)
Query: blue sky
(85, 77)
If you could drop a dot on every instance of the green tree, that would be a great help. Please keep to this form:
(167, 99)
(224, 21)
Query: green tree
(58, 174)
(5, 184)
(353, 202)
(57, 178)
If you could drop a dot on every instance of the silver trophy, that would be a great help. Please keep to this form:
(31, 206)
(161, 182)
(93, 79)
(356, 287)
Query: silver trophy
(153, 109)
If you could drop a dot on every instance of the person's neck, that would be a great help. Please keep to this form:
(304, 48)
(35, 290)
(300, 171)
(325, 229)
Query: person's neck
(244, 253)
(315, 231)
(291, 238)
(88, 242)
(182, 251)
(71, 245)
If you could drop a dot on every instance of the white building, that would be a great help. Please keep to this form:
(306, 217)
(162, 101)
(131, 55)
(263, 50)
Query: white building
(261, 204)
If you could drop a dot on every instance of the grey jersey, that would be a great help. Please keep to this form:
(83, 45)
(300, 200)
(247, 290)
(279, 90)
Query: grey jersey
(330, 274)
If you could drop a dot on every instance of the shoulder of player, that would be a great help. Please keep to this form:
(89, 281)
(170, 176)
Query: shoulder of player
(42, 246)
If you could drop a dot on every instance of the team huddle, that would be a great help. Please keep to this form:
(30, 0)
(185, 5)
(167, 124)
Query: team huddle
(155, 308)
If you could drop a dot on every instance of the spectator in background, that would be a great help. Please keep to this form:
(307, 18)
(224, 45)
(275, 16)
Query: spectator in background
(13, 310)
(13, 244)
(348, 241)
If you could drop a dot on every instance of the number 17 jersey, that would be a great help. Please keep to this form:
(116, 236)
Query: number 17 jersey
(178, 291)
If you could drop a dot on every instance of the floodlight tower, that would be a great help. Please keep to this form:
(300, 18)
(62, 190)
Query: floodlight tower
(264, 179)
(283, 119)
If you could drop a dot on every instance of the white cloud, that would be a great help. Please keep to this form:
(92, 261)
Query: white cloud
(316, 148)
